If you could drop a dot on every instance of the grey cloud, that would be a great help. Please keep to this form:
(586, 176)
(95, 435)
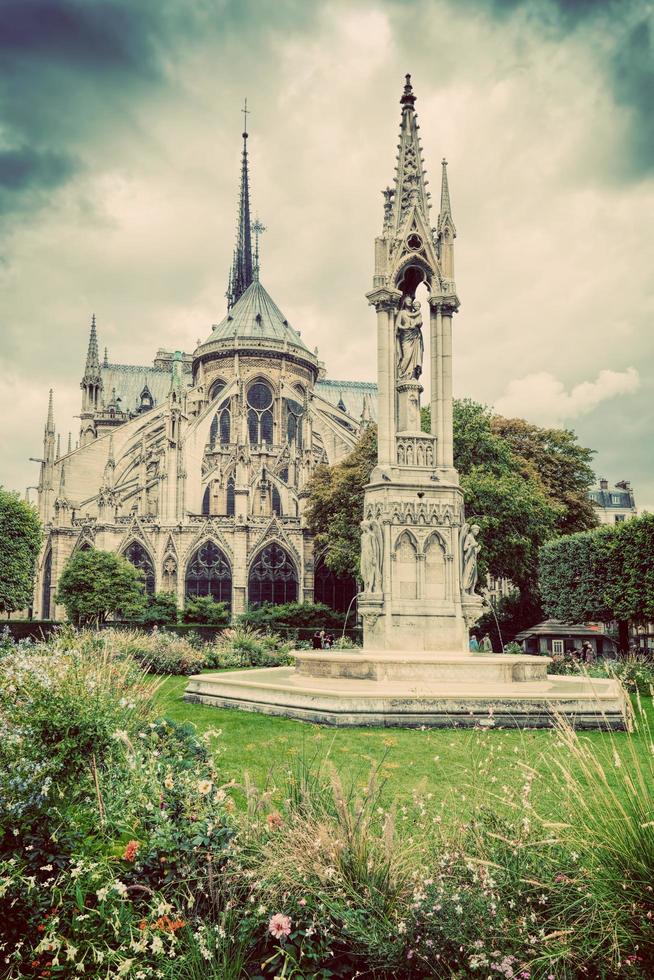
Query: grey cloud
(25, 171)
(629, 65)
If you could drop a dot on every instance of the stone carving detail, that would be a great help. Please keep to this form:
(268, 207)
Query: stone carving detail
(372, 556)
(408, 512)
(415, 451)
(409, 340)
(470, 548)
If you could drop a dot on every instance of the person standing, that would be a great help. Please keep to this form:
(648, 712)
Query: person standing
(316, 642)
(474, 643)
(486, 644)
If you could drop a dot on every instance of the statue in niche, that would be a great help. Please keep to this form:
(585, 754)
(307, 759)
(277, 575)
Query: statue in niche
(470, 548)
(372, 553)
(410, 344)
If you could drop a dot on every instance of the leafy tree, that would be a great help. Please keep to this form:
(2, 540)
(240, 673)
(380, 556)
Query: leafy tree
(204, 610)
(20, 541)
(97, 584)
(161, 610)
(335, 508)
(606, 574)
(563, 467)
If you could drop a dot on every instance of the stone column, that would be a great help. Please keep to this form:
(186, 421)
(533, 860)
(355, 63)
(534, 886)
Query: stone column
(385, 302)
(436, 336)
(448, 434)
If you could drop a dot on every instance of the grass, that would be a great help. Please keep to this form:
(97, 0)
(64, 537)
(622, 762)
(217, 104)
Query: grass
(448, 766)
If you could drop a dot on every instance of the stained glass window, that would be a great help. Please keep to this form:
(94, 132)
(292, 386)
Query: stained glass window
(276, 502)
(208, 573)
(272, 578)
(260, 416)
(139, 558)
(215, 390)
(230, 497)
(294, 412)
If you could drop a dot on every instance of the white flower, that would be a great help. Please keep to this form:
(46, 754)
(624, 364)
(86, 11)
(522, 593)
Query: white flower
(156, 945)
(401, 928)
(102, 894)
(119, 887)
(169, 782)
(204, 786)
(71, 952)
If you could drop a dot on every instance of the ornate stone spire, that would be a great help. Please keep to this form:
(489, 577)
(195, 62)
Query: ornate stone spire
(92, 370)
(49, 425)
(258, 230)
(241, 274)
(410, 183)
(445, 220)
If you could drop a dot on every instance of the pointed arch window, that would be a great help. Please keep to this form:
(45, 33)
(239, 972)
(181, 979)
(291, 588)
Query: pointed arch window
(260, 416)
(206, 502)
(47, 586)
(276, 502)
(220, 428)
(215, 389)
(231, 502)
(273, 577)
(138, 557)
(294, 413)
(208, 573)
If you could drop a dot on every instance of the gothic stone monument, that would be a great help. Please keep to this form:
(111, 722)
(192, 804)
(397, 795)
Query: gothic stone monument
(418, 552)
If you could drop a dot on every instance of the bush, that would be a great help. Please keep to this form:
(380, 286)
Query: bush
(242, 646)
(113, 824)
(161, 610)
(158, 652)
(295, 615)
(204, 610)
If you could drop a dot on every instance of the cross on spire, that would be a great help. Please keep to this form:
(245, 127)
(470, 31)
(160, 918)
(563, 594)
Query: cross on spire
(241, 273)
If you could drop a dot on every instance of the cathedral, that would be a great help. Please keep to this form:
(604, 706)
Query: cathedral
(196, 468)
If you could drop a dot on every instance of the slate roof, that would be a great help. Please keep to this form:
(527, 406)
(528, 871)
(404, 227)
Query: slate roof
(620, 499)
(351, 393)
(553, 627)
(129, 381)
(255, 316)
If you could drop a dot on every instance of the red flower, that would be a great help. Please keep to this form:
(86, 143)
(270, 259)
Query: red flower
(132, 849)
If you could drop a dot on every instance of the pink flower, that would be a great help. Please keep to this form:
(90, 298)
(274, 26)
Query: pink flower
(279, 926)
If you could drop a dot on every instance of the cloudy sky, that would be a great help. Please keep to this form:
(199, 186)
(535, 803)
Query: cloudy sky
(119, 159)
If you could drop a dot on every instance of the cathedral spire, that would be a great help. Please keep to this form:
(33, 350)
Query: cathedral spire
(49, 425)
(92, 359)
(241, 274)
(410, 184)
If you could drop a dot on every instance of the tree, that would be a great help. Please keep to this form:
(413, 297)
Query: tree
(560, 463)
(97, 584)
(204, 610)
(606, 574)
(335, 508)
(522, 485)
(20, 541)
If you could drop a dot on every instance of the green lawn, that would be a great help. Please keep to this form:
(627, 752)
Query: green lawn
(453, 766)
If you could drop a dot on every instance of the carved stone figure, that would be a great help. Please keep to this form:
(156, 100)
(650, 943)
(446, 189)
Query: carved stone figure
(372, 553)
(470, 548)
(410, 343)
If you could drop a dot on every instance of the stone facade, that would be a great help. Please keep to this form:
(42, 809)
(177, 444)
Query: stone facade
(196, 468)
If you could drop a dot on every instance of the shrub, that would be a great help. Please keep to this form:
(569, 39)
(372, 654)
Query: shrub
(157, 652)
(96, 584)
(113, 825)
(242, 646)
(204, 610)
(161, 610)
(294, 615)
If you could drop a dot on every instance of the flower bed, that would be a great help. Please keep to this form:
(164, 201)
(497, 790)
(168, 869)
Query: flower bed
(124, 853)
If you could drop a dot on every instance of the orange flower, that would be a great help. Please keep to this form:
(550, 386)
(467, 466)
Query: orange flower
(166, 924)
(143, 924)
(132, 849)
